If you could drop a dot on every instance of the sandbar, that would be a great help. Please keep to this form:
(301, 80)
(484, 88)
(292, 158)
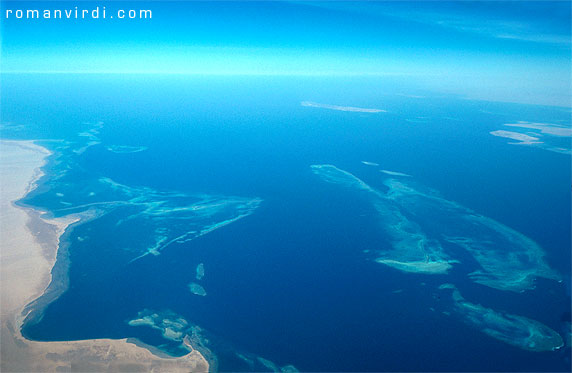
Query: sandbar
(545, 128)
(521, 137)
(394, 173)
(341, 108)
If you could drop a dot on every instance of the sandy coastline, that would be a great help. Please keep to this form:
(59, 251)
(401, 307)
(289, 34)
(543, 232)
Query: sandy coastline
(28, 250)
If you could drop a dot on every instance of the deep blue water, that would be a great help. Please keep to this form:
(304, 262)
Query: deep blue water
(290, 282)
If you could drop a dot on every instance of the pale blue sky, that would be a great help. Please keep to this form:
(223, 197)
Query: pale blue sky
(506, 51)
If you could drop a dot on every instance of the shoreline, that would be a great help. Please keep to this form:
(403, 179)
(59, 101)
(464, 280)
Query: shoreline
(31, 247)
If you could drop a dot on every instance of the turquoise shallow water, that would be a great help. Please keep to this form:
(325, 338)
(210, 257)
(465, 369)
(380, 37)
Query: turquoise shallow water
(172, 172)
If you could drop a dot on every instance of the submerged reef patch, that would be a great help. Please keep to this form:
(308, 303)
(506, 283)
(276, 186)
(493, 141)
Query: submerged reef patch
(189, 337)
(544, 128)
(518, 331)
(124, 149)
(394, 173)
(180, 333)
(259, 364)
(137, 221)
(171, 325)
(170, 218)
(166, 217)
(412, 250)
(373, 164)
(540, 135)
(341, 108)
(520, 137)
(197, 289)
(507, 259)
(200, 271)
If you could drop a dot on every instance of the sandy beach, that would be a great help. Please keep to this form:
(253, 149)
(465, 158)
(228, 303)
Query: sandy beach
(28, 250)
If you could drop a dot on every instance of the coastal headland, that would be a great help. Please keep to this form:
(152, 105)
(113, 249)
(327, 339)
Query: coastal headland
(29, 244)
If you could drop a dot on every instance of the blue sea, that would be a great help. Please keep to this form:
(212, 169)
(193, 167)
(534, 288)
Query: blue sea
(168, 172)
